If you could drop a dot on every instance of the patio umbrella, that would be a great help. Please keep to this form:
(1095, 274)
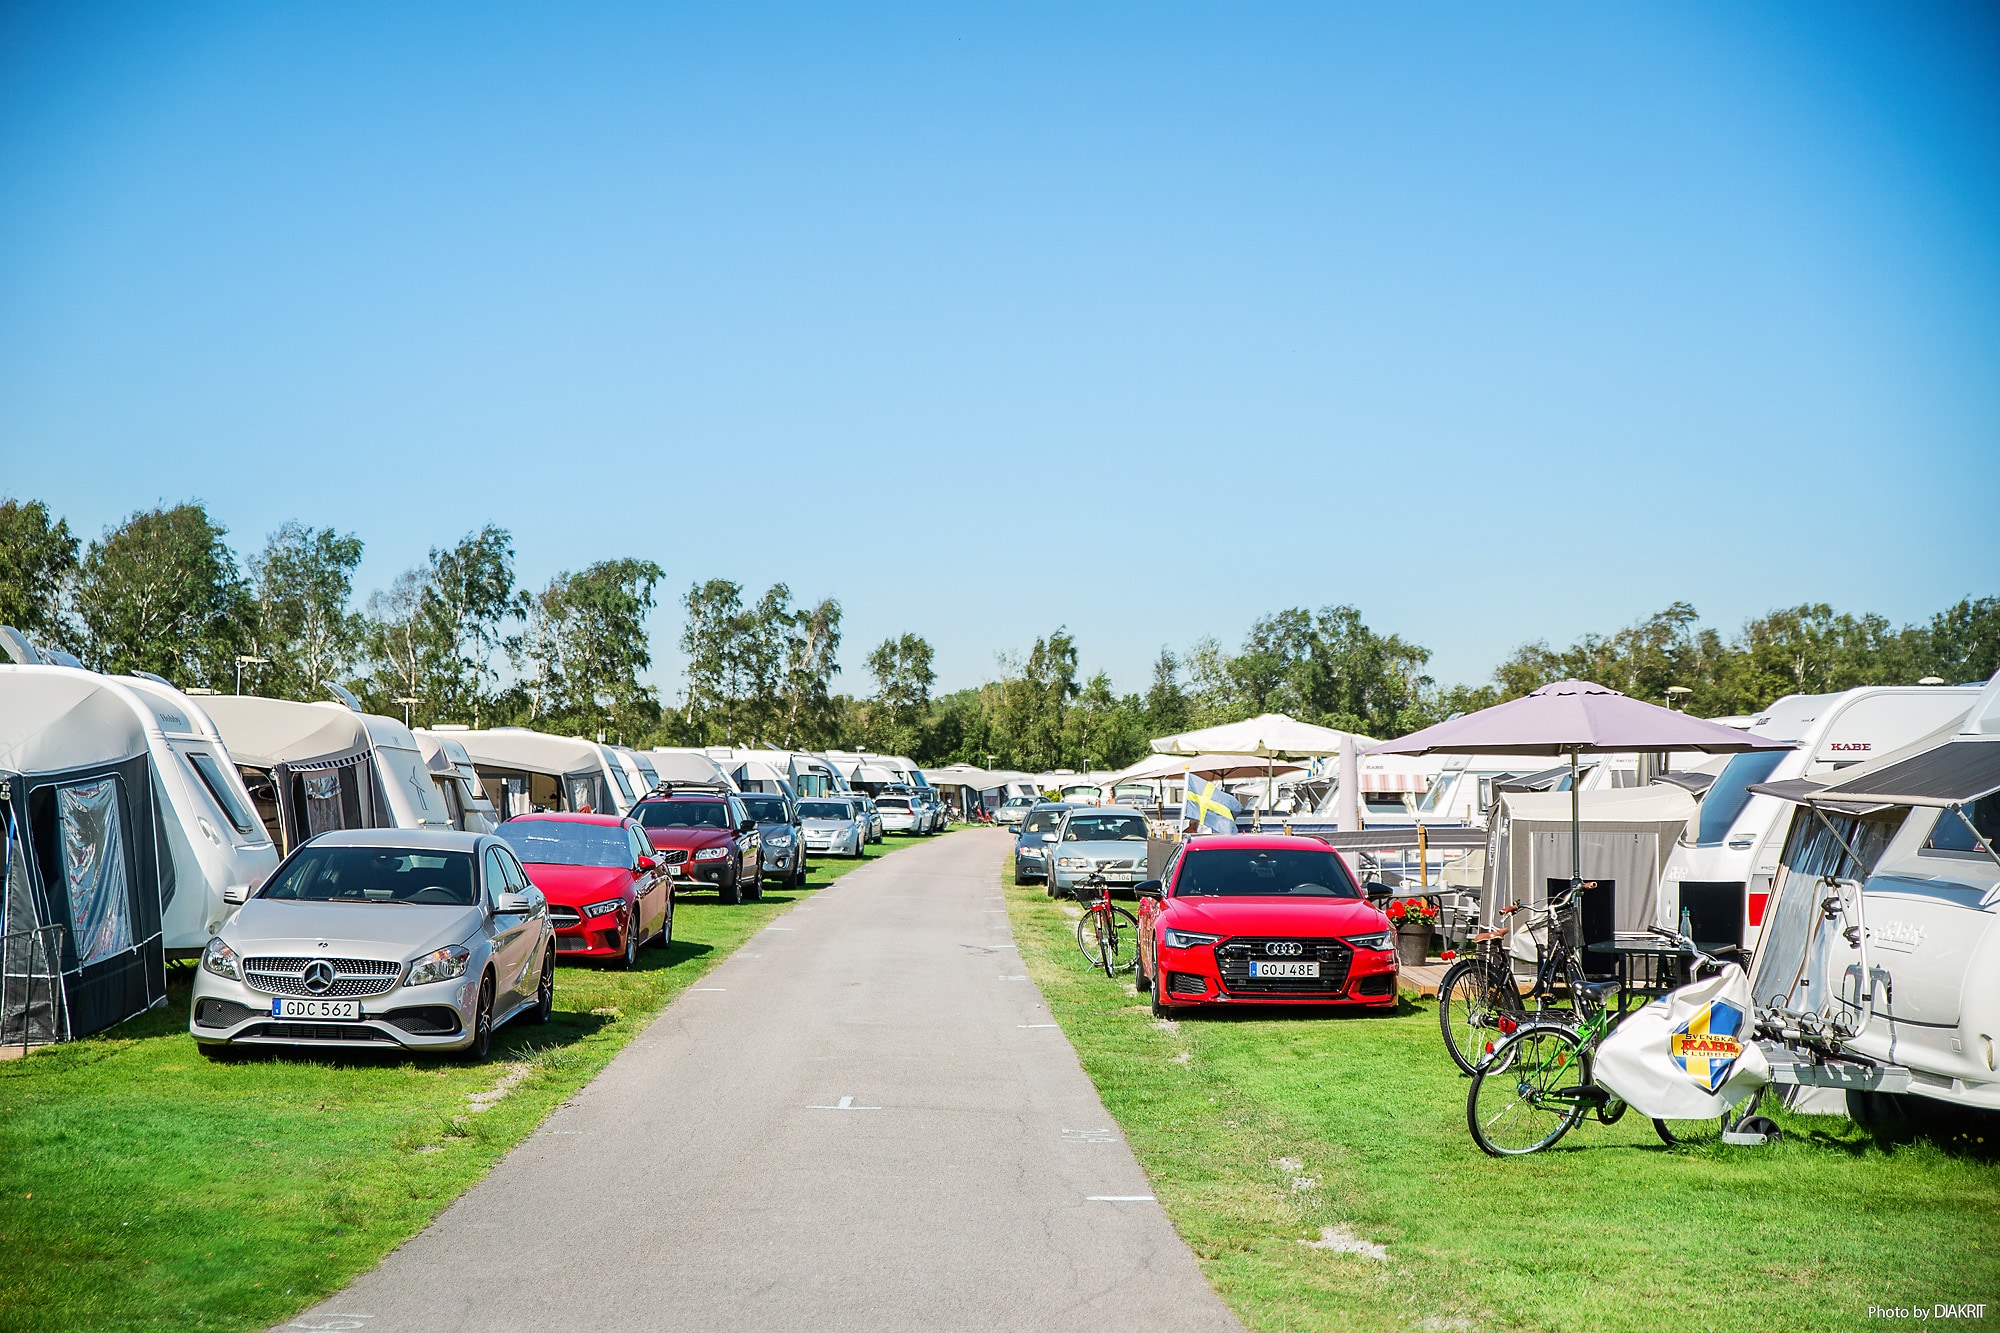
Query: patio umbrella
(1573, 717)
(1269, 736)
(1217, 766)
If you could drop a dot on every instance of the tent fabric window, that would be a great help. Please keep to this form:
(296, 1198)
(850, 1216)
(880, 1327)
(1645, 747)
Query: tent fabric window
(31, 994)
(322, 792)
(93, 850)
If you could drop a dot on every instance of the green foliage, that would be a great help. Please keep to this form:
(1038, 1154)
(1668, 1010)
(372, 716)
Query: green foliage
(757, 674)
(37, 559)
(903, 680)
(582, 649)
(433, 635)
(304, 580)
(162, 593)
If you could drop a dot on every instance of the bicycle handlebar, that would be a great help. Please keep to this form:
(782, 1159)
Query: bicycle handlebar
(1687, 946)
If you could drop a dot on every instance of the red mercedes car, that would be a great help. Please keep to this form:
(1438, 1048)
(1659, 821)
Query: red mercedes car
(608, 894)
(1262, 919)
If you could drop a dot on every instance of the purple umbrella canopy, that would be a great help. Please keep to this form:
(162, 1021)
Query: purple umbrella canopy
(1575, 717)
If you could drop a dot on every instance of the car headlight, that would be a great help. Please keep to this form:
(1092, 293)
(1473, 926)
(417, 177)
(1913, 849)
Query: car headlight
(440, 966)
(778, 840)
(220, 959)
(1379, 940)
(711, 854)
(1027, 849)
(1072, 862)
(605, 908)
(1188, 939)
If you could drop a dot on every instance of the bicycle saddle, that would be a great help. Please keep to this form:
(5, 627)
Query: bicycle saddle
(1485, 935)
(1596, 990)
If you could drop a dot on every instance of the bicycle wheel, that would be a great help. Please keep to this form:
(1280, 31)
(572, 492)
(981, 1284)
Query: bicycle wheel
(1121, 933)
(1473, 998)
(1517, 1103)
(1688, 1133)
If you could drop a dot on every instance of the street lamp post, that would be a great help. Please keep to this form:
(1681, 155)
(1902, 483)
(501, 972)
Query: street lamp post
(246, 659)
(407, 701)
(1677, 692)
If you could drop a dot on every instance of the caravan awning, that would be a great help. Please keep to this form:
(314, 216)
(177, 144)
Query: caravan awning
(1955, 773)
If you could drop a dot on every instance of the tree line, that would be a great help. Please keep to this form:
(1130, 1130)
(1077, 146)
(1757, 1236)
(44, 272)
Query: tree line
(456, 639)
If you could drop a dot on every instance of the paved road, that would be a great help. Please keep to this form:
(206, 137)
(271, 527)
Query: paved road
(709, 1179)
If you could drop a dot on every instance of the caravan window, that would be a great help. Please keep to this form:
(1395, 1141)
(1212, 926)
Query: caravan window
(618, 776)
(322, 802)
(1727, 796)
(93, 852)
(1951, 835)
(210, 773)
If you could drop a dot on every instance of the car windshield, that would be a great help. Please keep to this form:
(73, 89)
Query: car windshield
(766, 809)
(557, 842)
(1729, 793)
(1041, 821)
(825, 810)
(682, 814)
(1263, 872)
(892, 803)
(375, 875)
(1020, 802)
(1104, 828)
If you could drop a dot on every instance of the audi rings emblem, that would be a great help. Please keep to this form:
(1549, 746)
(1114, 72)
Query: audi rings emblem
(1285, 948)
(319, 976)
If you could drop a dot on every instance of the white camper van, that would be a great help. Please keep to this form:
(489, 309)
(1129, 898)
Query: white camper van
(314, 767)
(524, 770)
(221, 851)
(1882, 943)
(1721, 872)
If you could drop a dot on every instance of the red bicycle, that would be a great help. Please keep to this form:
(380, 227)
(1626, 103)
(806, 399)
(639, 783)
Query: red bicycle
(1107, 934)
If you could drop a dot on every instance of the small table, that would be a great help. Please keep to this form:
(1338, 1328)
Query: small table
(1648, 966)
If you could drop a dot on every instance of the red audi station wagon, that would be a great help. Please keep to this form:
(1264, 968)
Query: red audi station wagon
(1262, 919)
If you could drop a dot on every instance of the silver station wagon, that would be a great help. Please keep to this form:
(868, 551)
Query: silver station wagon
(380, 938)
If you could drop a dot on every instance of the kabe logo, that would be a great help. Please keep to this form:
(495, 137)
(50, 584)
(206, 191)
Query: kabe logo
(1705, 1047)
(1851, 747)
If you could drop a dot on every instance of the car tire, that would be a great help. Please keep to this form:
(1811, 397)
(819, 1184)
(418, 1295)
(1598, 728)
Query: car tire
(1158, 1006)
(666, 935)
(545, 993)
(729, 893)
(630, 958)
(1140, 981)
(480, 1049)
(755, 893)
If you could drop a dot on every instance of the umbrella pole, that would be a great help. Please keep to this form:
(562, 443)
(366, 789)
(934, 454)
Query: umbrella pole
(1575, 830)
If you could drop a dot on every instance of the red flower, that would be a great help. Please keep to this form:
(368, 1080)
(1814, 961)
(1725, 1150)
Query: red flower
(1449, 954)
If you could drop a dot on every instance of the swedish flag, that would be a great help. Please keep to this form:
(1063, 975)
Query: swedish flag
(1209, 806)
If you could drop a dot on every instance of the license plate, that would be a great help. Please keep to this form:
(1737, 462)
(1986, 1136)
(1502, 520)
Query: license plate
(1261, 968)
(284, 1007)
(677, 868)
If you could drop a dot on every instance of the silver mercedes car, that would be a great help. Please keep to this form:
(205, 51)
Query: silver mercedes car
(380, 938)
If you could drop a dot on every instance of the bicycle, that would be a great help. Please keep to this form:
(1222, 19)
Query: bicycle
(1536, 1086)
(1478, 996)
(1107, 934)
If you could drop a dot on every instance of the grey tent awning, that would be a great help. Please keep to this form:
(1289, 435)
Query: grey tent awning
(1955, 773)
(1549, 779)
(1803, 791)
(1695, 784)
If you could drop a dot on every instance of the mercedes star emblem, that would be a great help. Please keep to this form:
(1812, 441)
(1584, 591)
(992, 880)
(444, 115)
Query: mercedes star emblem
(319, 976)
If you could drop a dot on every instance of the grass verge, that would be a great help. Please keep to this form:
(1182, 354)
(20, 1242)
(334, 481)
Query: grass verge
(1263, 1131)
(142, 1187)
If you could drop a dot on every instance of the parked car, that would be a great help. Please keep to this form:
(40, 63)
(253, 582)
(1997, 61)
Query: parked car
(899, 814)
(705, 837)
(874, 816)
(608, 893)
(1097, 840)
(833, 826)
(780, 835)
(1263, 919)
(1014, 809)
(1037, 829)
(380, 938)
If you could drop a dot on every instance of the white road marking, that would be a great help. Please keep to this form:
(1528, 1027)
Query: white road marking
(846, 1104)
(713, 988)
(1034, 1025)
(1019, 978)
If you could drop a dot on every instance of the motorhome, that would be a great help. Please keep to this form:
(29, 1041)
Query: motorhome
(524, 771)
(314, 767)
(83, 863)
(458, 781)
(220, 850)
(1881, 951)
(1721, 872)
(1465, 787)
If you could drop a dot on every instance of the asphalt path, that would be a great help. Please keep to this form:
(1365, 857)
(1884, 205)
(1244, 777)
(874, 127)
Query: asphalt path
(864, 1119)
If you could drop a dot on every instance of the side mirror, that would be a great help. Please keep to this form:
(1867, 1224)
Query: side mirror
(747, 826)
(520, 904)
(1151, 888)
(236, 894)
(1377, 889)
(646, 864)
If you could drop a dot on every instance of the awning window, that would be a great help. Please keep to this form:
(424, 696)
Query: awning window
(93, 847)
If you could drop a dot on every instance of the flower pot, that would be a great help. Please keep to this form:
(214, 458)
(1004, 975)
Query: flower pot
(1413, 944)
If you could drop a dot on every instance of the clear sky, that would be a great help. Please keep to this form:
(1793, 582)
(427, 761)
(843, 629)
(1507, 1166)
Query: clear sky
(1497, 321)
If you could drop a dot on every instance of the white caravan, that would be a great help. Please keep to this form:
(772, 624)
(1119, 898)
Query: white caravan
(687, 764)
(636, 766)
(458, 781)
(311, 768)
(1721, 872)
(1882, 944)
(221, 851)
(524, 771)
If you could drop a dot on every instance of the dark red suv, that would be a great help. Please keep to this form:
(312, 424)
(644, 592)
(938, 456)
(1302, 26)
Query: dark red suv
(705, 837)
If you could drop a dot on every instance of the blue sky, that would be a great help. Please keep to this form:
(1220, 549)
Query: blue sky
(1499, 322)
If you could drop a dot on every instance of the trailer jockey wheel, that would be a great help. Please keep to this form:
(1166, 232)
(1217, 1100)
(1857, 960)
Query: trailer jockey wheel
(1761, 1124)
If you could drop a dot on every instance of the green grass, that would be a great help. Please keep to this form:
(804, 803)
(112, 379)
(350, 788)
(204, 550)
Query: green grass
(142, 1186)
(1260, 1130)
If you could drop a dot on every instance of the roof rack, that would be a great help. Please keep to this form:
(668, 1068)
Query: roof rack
(669, 788)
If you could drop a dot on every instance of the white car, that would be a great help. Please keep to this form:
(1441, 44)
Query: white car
(833, 827)
(1015, 809)
(899, 814)
(380, 938)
